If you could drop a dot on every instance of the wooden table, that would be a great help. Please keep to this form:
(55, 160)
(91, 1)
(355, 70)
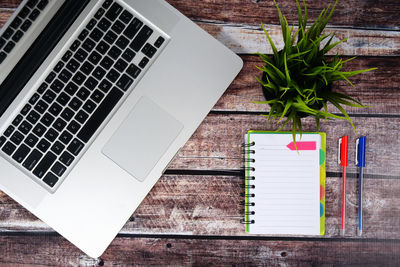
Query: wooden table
(191, 217)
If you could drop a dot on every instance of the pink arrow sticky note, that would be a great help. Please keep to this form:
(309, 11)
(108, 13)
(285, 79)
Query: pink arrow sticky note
(303, 145)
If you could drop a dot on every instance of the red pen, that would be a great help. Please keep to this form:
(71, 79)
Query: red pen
(343, 161)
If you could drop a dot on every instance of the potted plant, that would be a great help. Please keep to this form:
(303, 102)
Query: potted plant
(297, 80)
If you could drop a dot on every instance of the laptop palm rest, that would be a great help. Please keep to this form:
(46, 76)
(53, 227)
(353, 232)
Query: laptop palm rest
(142, 139)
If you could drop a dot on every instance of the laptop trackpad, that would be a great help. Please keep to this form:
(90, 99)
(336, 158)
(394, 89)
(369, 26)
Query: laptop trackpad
(142, 139)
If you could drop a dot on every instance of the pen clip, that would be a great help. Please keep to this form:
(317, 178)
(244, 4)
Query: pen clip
(357, 144)
(339, 150)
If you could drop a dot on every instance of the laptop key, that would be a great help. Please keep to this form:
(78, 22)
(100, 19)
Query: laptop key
(81, 117)
(89, 106)
(65, 137)
(17, 138)
(8, 33)
(17, 36)
(16, 23)
(41, 107)
(9, 148)
(31, 140)
(44, 165)
(143, 63)
(2, 42)
(81, 55)
(83, 35)
(126, 17)
(102, 47)
(96, 34)
(32, 159)
(34, 15)
(24, 12)
(107, 62)
(43, 145)
(99, 13)
(66, 158)
(50, 179)
(89, 45)
(25, 127)
(92, 23)
(75, 147)
(122, 42)
(105, 86)
(104, 24)
(60, 65)
(83, 94)
(31, 3)
(33, 117)
(50, 78)
(113, 75)
(57, 148)
(67, 114)
(55, 109)
(121, 65)
(63, 99)
(47, 119)
(124, 83)
(79, 78)
(26, 109)
(42, 4)
(18, 120)
(133, 71)
(51, 135)
(114, 52)
(91, 83)
(95, 58)
(39, 130)
(65, 76)
(49, 96)
(100, 115)
(57, 86)
(21, 153)
(73, 65)
(73, 127)
(9, 47)
(67, 56)
(118, 27)
(133, 28)
(128, 55)
(110, 37)
(9, 131)
(114, 11)
(26, 25)
(107, 4)
(141, 38)
(59, 125)
(99, 73)
(97, 96)
(159, 42)
(58, 169)
(75, 104)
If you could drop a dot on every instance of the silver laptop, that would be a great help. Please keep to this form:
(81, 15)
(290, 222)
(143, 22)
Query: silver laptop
(96, 98)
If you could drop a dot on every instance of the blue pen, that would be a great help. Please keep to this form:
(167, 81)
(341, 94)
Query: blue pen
(360, 162)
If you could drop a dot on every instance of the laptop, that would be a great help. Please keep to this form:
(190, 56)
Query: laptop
(96, 99)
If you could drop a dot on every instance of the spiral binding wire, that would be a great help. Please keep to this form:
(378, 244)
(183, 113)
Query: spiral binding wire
(248, 185)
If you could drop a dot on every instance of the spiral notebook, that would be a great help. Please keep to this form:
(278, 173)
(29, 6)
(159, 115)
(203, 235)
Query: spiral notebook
(285, 186)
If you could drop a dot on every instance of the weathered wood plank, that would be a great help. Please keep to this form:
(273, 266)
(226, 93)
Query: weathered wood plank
(354, 13)
(56, 251)
(378, 89)
(208, 205)
(216, 143)
(246, 39)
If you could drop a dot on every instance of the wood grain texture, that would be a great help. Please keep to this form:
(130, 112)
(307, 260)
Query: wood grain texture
(355, 13)
(248, 39)
(56, 251)
(216, 143)
(209, 205)
(379, 89)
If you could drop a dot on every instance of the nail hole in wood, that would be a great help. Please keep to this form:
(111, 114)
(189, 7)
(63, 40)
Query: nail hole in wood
(169, 245)
(283, 254)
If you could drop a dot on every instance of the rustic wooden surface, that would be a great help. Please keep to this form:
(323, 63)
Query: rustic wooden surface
(191, 216)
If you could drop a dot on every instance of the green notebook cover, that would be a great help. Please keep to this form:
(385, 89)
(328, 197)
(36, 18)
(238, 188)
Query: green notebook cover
(322, 160)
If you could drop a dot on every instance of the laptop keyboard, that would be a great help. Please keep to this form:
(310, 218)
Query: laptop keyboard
(58, 122)
(19, 26)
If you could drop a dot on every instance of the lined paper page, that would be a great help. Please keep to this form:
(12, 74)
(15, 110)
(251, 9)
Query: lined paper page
(287, 184)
